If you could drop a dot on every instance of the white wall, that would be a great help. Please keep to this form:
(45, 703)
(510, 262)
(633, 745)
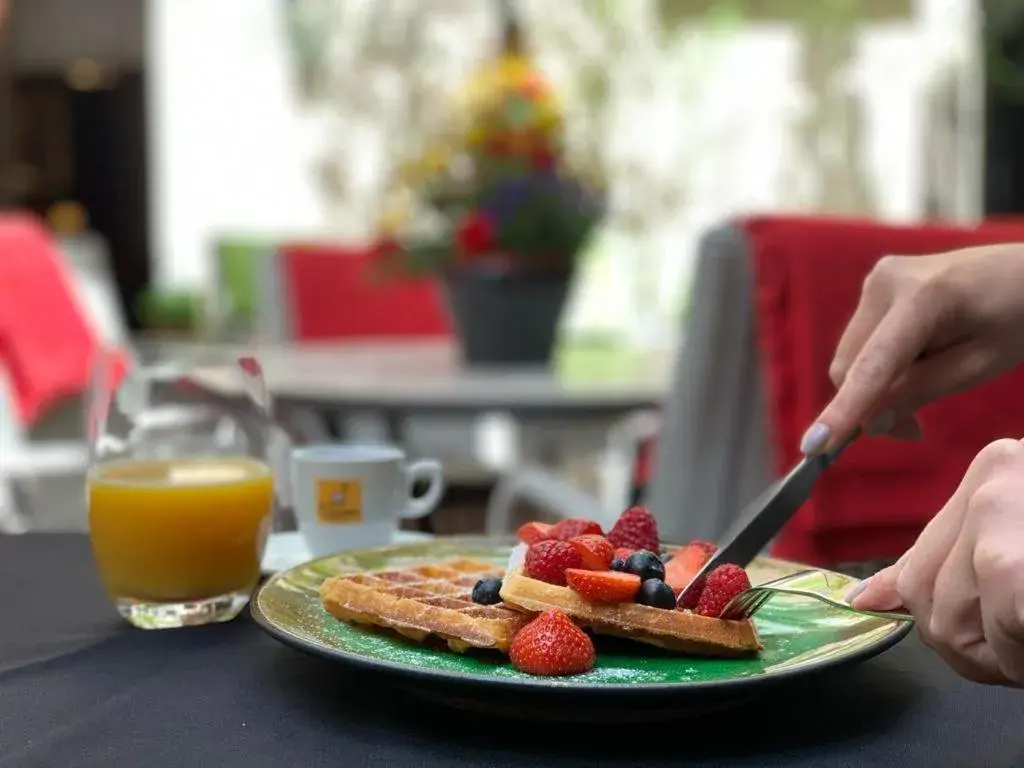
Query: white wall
(229, 147)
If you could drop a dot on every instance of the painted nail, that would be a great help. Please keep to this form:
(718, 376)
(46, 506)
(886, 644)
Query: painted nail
(853, 593)
(881, 423)
(815, 438)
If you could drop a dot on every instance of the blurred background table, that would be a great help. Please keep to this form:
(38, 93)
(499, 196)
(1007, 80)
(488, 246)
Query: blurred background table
(402, 378)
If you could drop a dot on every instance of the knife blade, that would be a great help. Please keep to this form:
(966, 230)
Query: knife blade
(767, 514)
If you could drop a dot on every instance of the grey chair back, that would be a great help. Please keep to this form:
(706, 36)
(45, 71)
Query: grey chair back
(713, 453)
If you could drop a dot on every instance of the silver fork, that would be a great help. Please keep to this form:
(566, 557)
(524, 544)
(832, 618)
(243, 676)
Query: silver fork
(825, 586)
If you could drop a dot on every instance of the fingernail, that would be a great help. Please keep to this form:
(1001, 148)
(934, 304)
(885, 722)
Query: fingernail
(814, 438)
(853, 593)
(881, 423)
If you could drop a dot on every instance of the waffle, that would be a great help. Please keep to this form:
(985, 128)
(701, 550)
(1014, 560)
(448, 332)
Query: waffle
(679, 631)
(424, 602)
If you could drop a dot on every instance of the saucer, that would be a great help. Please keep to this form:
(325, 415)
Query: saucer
(287, 549)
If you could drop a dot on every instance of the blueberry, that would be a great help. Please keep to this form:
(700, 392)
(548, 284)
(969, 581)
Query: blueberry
(657, 594)
(486, 591)
(646, 565)
(618, 564)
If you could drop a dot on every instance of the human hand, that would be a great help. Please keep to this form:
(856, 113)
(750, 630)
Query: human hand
(925, 327)
(963, 580)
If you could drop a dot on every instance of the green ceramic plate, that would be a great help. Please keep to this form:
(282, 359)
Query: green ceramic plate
(800, 635)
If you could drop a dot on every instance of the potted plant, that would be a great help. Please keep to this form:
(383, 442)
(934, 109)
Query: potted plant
(498, 212)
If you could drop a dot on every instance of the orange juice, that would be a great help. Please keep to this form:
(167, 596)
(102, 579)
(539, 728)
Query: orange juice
(177, 530)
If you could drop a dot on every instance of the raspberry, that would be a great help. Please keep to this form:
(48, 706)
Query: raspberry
(573, 527)
(692, 596)
(595, 551)
(636, 529)
(552, 645)
(723, 584)
(547, 561)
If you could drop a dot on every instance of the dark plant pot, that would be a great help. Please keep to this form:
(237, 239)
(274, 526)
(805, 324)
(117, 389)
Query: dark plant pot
(506, 319)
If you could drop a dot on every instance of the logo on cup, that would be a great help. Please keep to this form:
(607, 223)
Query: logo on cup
(339, 502)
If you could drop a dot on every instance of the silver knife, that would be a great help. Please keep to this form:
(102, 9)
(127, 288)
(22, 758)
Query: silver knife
(767, 514)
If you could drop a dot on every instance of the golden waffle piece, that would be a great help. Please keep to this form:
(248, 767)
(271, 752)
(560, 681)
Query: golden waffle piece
(681, 631)
(424, 601)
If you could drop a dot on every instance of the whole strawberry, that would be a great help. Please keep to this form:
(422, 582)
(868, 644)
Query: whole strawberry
(635, 529)
(552, 645)
(547, 561)
(722, 585)
(573, 527)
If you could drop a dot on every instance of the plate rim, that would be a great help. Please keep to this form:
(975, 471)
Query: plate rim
(549, 685)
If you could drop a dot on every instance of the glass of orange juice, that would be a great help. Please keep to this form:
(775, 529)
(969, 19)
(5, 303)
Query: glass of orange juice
(180, 491)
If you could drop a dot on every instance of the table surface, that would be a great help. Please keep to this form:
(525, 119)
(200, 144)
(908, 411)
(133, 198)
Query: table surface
(78, 688)
(429, 375)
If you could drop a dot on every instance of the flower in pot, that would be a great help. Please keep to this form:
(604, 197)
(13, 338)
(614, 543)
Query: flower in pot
(499, 213)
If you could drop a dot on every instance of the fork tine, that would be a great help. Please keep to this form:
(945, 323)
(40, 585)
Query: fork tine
(747, 604)
(765, 596)
(734, 609)
(753, 603)
(737, 607)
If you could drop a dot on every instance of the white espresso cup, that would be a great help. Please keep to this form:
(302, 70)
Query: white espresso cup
(349, 496)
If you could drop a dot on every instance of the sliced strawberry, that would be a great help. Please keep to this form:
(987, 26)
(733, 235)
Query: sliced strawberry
(686, 562)
(595, 551)
(547, 561)
(552, 645)
(622, 553)
(636, 528)
(708, 546)
(573, 527)
(603, 586)
(723, 584)
(531, 533)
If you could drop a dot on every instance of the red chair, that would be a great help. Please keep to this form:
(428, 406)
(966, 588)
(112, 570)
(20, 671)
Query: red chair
(46, 341)
(331, 295)
(875, 501)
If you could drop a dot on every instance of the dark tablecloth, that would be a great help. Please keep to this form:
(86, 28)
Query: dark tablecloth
(78, 688)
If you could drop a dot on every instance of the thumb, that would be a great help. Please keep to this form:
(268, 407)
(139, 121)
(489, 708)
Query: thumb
(878, 593)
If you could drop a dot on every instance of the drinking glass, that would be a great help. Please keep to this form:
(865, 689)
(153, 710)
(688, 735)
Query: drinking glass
(180, 490)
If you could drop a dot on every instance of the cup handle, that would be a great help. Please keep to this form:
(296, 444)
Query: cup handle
(425, 469)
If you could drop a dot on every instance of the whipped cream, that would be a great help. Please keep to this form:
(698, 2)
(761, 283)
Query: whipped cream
(516, 558)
